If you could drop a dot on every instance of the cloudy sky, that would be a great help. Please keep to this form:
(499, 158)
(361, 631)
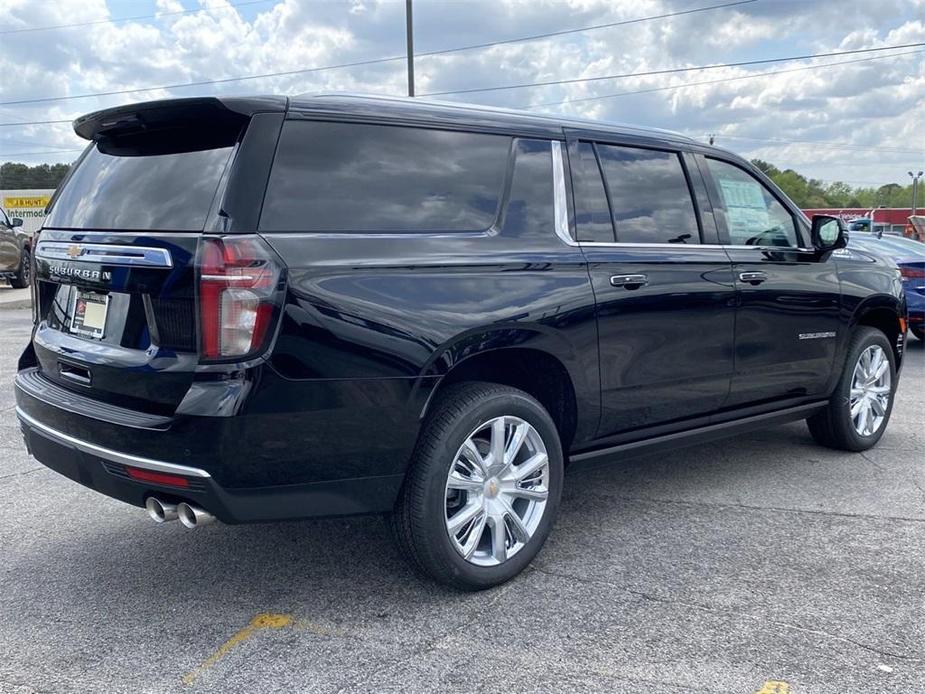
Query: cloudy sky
(861, 121)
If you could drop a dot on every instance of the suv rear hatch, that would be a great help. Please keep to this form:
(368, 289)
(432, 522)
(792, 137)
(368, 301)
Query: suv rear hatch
(117, 281)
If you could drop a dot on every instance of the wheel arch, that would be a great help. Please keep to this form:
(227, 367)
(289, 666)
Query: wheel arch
(522, 360)
(885, 314)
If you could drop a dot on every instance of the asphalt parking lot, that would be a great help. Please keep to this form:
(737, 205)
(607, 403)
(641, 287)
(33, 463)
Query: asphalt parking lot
(763, 563)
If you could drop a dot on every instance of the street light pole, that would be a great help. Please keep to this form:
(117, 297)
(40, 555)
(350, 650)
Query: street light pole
(915, 185)
(409, 33)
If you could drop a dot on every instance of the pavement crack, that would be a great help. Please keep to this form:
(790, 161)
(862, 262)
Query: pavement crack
(431, 645)
(24, 472)
(721, 610)
(910, 478)
(662, 683)
(26, 687)
(772, 509)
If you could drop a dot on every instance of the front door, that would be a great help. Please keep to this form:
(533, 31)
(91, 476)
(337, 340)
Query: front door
(664, 298)
(787, 323)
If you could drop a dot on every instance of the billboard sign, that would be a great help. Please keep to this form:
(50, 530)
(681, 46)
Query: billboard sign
(28, 205)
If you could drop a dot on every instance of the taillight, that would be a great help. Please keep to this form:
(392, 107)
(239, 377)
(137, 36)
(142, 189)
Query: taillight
(912, 272)
(239, 292)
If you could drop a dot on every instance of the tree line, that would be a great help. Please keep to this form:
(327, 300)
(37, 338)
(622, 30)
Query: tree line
(811, 193)
(805, 192)
(15, 176)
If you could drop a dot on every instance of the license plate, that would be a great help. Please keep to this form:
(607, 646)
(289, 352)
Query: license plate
(88, 313)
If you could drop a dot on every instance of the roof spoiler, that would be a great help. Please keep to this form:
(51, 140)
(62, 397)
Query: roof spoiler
(171, 113)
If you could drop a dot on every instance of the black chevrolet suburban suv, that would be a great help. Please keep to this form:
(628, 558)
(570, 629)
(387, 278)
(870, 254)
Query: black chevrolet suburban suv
(257, 309)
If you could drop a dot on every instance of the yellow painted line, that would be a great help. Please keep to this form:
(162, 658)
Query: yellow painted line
(774, 687)
(264, 620)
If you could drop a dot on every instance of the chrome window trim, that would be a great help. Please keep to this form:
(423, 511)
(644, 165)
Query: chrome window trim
(792, 249)
(104, 253)
(109, 454)
(609, 244)
(627, 244)
(560, 207)
(559, 196)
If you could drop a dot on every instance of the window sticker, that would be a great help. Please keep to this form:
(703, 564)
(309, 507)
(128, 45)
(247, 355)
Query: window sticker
(746, 209)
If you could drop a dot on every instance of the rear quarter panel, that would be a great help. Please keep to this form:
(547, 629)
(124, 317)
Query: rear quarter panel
(412, 306)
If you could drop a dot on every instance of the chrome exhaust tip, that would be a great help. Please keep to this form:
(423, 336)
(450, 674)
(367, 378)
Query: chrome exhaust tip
(160, 511)
(193, 516)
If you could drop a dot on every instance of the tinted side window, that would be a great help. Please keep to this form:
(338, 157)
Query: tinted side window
(649, 196)
(531, 207)
(592, 213)
(379, 178)
(754, 216)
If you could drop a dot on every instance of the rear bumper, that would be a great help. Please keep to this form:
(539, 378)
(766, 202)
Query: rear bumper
(301, 450)
(107, 471)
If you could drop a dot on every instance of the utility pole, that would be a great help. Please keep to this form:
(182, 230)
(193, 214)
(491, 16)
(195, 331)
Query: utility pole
(409, 33)
(915, 185)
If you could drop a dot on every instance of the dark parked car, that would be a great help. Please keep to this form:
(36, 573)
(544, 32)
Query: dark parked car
(15, 250)
(909, 256)
(264, 309)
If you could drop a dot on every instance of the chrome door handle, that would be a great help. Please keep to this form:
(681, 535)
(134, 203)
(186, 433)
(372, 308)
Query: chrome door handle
(629, 281)
(753, 278)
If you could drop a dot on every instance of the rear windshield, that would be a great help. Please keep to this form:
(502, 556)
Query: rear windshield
(140, 187)
(341, 177)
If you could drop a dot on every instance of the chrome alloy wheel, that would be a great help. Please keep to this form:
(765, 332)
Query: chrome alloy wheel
(870, 391)
(496, 490)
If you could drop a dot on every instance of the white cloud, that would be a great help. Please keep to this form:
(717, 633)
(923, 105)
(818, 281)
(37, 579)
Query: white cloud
(870, 104)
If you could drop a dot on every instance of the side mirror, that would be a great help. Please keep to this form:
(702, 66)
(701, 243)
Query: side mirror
(828, 233)
(15, 222)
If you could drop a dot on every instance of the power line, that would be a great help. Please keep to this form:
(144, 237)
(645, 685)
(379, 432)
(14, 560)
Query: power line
(614, 95)
(821, 145)
(825, 144)
(201, 83)
(131, 19)
(564, 32)
(668, 71)
(30, 144)
(29, 154)
(372, 61)
(35, 122)
(718, 81)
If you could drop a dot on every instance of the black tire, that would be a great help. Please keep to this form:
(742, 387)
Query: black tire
(918, 332)
(22, 278)
(833, 426)
(419, 520)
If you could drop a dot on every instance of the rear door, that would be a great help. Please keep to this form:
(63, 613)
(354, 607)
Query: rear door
(787, 324)
(115, 260)
(663, 287)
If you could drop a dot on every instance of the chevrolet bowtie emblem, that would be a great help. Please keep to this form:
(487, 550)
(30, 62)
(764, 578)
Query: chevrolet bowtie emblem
(73, 251)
